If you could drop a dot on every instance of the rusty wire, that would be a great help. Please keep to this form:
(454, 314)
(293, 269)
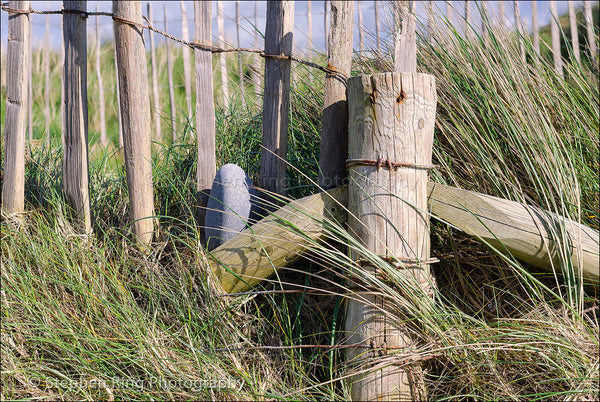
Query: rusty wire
(330, 70)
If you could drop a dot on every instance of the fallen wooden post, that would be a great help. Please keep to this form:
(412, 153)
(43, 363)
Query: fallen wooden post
(520, 229)
(277, 240)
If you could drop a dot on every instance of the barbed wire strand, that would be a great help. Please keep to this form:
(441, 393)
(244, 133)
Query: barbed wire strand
(330, 70)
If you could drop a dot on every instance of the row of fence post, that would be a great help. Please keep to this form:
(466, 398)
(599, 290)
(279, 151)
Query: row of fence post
(227, 99)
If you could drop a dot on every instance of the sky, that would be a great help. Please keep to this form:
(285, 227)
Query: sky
(173, 11)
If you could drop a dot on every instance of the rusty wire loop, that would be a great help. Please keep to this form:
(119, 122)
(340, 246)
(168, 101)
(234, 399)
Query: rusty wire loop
(330, 70)
(379, 163)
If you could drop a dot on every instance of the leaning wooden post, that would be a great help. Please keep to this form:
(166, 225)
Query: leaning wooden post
(276, 99)
(205, 107)
(103, 137)
(574, 34)
(391, 120)
(170, 79)
(75, 135)
(17, 79)
(334, 123)
(155, 92)
(135, 114)
(555, 32)
(186, 61)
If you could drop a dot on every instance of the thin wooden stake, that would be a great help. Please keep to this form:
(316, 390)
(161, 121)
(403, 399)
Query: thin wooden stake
(589, 24)
(574, 34)
(103, 137)
(468, 20)
(186, 61)
(334, 135)
(30, 84)
(155, 91)
(118, 98)
(256, 76)
(535, 27)
(377, 30)
(392, 117)
(555, 31)
(75, 136)
(17, 82)
(520, 31)
(276, 100)
(240, 64)
(222, 58)
(501, 17)
(325, 25)
(48, 84)
(361, 43)
(405, 39)
(309, 24)
(205, 107)
(135, 112)
(172, 105)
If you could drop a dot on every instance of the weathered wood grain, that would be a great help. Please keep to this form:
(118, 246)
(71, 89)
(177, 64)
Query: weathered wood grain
(75, 135)
(187, 74)
(276, 100)
(135, 114)
(405, 38)
(103, 137)
(172, 105)
(205, 107)
(17, 81)
(391, 117)
(277, 240)
(334, 122)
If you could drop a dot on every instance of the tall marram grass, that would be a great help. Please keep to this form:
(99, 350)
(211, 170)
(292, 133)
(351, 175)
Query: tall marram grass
(93, 318)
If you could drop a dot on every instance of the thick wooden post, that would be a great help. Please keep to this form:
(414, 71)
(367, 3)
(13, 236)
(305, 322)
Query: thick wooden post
(276, 100)
(103, 137)
(574, 35)
(334, 134)
(392, 117)
(17, 80)
(205, 107)
(222, 58)
(135, 114)
(172, 106)
(535, 27)
(155, 91)
(75, 135)
(187, 74)
(555, 32)
(589, 25)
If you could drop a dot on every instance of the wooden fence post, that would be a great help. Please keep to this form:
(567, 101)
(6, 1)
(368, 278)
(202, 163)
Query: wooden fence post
(187, 74)
(501, 17)
(17, 81)
(555, 32)
(118, 96)
(240, 64)
(377, 30)
(392, 117)
(103, 137)
(468, 20)
(170, 79)
(222, 58)
(589, 24)
(135, 114)
(325, 33)
(449, 11)
(257, 64)
(75, 135)
(155, 92)
(574, 34)
(276, 99)
(361, 43)
(520, 30)
(205, 107)
(334, 132)
(535, 27)
(309, 24)
(405, 40)
(30, 83)
(47, 82)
